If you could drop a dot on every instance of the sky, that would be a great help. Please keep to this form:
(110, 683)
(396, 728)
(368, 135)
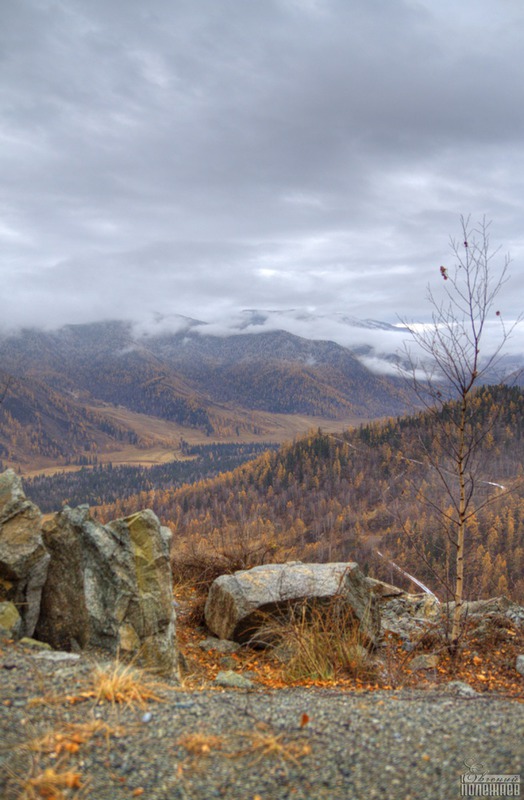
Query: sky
(202, 157)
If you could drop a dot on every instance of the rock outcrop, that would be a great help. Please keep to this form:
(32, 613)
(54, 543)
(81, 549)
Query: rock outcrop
(23, 558)
(238, 604)
(409, 614)
(109, 587)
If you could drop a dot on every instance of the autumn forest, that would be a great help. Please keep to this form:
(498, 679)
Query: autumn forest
(367, 494)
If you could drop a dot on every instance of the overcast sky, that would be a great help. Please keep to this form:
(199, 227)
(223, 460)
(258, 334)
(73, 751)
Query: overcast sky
(201, 157)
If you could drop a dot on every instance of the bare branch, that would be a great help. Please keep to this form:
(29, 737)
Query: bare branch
(449, 365)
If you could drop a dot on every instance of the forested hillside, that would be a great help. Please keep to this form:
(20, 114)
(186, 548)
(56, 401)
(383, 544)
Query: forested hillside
(327, 497)
(37, 421)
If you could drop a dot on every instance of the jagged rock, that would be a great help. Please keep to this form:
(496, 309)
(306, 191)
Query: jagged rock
(23, 557)
(238, 604)
(409, 614)
(10, 620)
(110, 587)
(64, 619)
(516, 614)
(490, 608)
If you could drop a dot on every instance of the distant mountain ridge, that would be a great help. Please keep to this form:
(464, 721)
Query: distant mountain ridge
(180, 375)
(199, 380)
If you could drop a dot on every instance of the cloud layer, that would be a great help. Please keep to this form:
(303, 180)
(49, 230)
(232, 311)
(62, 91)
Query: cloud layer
(201, 158)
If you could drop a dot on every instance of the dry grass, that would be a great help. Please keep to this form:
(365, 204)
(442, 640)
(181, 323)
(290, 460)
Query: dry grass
(69, 738)
(52, 783)
(125, 683)
(321, 641)
(198, 563)
(260, 745)
(267, 745)
(115, 683)
(59, 781)
(200, 744)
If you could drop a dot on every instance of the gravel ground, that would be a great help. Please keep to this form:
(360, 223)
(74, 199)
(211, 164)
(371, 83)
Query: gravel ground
(293, 743)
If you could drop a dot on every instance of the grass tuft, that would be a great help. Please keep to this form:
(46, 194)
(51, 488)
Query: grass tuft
(260, 745)
(69, 738)
(322, 641)
(125, 683)
(200, 744)
(267, 745)
(52, 784)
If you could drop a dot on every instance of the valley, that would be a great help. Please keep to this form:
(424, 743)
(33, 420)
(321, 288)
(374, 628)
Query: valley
(165, 439)
(105, 393)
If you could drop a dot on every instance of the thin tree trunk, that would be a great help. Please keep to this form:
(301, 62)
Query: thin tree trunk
(459, 578)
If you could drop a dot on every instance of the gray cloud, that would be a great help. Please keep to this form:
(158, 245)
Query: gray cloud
(200, 158)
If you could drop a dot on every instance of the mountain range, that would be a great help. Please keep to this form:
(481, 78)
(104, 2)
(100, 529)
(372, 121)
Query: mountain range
(101, 387)
(131, 392)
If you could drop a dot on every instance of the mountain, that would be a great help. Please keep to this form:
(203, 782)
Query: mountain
(279, 372)
(220, 386)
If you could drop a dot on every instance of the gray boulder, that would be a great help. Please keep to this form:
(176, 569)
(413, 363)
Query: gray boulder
(238, 604)
(109, 587)
(23, 557)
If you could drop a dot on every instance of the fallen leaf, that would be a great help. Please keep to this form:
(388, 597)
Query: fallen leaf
(72, 780)
(70, 747)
